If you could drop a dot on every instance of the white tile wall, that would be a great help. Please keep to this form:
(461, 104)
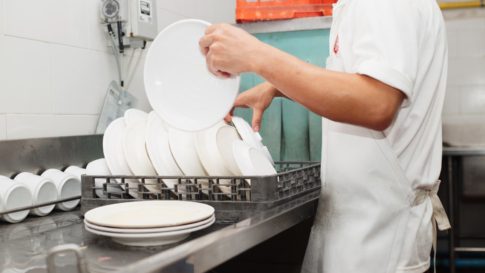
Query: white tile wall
(33, 126)
(464, 130)
(96, 34)
(3, 127)
(464, 109)
(137, 86)
(79, 79)
(452, 104)
(166, 17)
(472, 100)
(55, 65)
(57, 21)
(466, 70)
(214, 11)
(2, 16)
(25, 77)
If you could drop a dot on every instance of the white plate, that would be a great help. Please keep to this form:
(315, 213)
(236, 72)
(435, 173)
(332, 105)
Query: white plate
(100, 167)
(158, 150)
(225, 137)
(178, 84)
(136, 153)
(211, 156)
(149, 230)
(149, 239)
(182, 145)
(149, 214)
(252, 138)
(115, 157)
(134, 115)
(252, 161)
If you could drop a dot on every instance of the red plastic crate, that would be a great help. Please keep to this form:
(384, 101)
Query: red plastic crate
(261, 10)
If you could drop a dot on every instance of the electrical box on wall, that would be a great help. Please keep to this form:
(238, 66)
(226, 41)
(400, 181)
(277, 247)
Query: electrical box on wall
(143, 19)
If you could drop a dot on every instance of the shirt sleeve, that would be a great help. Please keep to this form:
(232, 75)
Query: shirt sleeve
(385, 42)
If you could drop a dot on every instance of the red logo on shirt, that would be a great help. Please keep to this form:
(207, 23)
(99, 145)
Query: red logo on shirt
(336, 46)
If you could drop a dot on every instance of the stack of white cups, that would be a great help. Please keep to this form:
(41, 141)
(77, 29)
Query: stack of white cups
(28, 189)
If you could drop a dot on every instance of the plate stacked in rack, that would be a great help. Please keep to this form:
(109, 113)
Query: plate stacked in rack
(149, 223)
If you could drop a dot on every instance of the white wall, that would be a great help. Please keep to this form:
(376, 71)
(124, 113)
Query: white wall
(55, 65)
(464, 111)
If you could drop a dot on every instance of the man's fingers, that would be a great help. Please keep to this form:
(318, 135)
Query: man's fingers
(257, 118)
(241, 101)
(205, 43)
(228, 117)
(210, 64)
(211, 29)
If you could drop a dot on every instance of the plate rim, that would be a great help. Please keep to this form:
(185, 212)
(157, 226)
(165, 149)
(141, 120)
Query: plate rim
(88, 215)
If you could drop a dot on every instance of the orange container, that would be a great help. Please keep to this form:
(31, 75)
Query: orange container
(261, 10)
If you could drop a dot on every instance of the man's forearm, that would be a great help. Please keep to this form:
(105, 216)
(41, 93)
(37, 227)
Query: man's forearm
(342, 97)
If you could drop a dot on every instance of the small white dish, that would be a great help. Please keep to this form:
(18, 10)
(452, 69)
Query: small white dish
(149, 214)
(13, 195)
(252, 161)
(150, 230)
(182, 146)
(136, 153)
(252, 138)
(158, 149)
(43, 190)
(67, 186)
(78, 172)
(114, 155)
(100, 167)
(133, 115)
(178, 84)
(149, 239)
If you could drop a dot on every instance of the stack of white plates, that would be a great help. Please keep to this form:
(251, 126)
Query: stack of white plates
(185, 134)
(149, 223)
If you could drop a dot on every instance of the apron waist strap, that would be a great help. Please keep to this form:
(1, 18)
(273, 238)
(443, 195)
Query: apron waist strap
(439, 214)
(440, 219)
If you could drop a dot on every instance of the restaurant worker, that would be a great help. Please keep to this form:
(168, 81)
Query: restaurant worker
(380, 97)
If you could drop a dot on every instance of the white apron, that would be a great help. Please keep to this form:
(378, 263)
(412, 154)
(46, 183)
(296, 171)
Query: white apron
(369, 218)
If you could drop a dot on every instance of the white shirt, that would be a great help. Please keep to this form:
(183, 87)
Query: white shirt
(401, 43)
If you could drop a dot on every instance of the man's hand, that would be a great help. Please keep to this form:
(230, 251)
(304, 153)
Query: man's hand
(258, 99)
(230, 50)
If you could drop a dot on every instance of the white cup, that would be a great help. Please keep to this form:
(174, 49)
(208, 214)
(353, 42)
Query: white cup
(76, 171)
(67, 186)
(43, 190)
(14, 195)
(100, 167)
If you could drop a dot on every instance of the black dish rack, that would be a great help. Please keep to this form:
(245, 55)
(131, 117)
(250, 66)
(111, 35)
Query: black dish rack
(233, 198)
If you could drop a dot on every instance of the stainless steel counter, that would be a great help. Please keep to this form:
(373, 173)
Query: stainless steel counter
(24, 246)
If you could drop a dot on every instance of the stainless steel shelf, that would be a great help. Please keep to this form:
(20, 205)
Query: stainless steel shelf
(34, 155)
(464, 151)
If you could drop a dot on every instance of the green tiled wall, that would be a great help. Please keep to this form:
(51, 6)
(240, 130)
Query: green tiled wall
(291, 132)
